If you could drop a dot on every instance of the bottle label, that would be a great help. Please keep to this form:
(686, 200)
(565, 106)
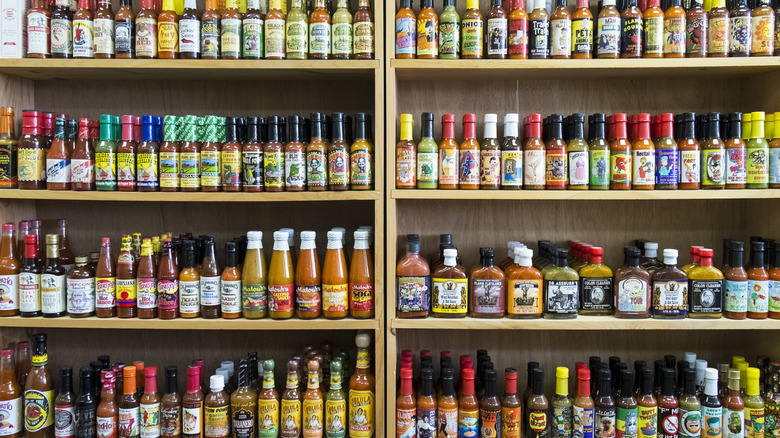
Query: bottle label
(556, 168)
(490, 422)
(106, 427)
(267, 418)
(230, 292)
(690, 167)
(295, 169)
(596, 293)
(405, 36)
(150, 420)
(626, 425)
(30, 292)
(447, 423)
(312, 418)
(668, 420)
(81, 295)
(599, 167)
(363, 36)
(472, 37)
(632, 295)
(319, 40)
(512, 171)
(209, 169)
(754, 423)
(342, 39)
(718, 35)
(189, 296)
(756, 164)
(280, 297)
(620, 170)
(37, 33)
(426, 422)
(561, 296)
(82, 171)
(296, 37)
(666, 163)
(252, 168)
(361, 296)
(774, 295)
(696, 35)
(690, 423)
(189, 36)
(674, 35)
(254, 297)
(582, 36)
(170, 421)
(413, 294)
(469, 168)
(406, 175)
(539, 41)
(209, 291)
(61, 36)
(647, 424)
(291, 418)
(32, 164)
(124, 33)
(125, 164)
(57, 170)
(534, 167)
(338, 162)
(583, 422)
(12, 419)
(192, 418)
(712, 422)
(316, 171)
(735, 166)
(274, 38)
(733, 423)
(736, 296)
(274, 169)
(105, 291)
(491, 167)
(706, 296)
(758, 296)
(168, 294)
(518, 37)
(334, 297)
(126, 295)
(654, 35)
(128, 421)
(252, 38)
(169, 169)
(64, 421)
(230, 37)
(771, 413)
(427, 169)
(231, 168)
(9, 294)
(361, 167)
(497, 35)
(8, 163)
(53, 292)
(468, 423)
(147, 170)
(307, 297)
(774, 166)
(524, 297)
(670, 297)
(85, 420)
(105, 169)
(450, 296)
(714, 167)
(763, 38)
(83, 39)
(216, 422)
(560, 37)
(147, 293)
(449, 38)
(644, 167)
(609, 36)
(537, 422)
(38, 410)
(739, 34)
(146, 37)
(578, 168)
(489, 295)
(631, 36)
(448, 166)
(243, 421)
(167, 36)
(210, 38)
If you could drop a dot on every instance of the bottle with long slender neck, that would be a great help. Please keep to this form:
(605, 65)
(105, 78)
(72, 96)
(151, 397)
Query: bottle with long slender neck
(361, 391)
(647, 411)
(754, 405)
(86, 405)
(312, 411)
(604, 413)
(562, 414)
(124, 30)
(290, 419)
(405, 404)
(170, 412)
(150, 405)
(64, 409)
(30, 279)
(268, 404)
(129, 407)
(11, 396)
(192, 405)
(53, 291)
(39, 393)
(107, 411)
(243, 404)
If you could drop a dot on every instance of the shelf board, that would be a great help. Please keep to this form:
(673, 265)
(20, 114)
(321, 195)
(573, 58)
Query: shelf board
(585, 195)
(584, 323)
(62, 195)
(485, 69)
(186, 69)
(190, 323)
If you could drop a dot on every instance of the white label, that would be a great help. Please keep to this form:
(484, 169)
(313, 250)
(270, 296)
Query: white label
(83, 40)
(53, 293)
(191, 420)
(496, 36)
(534, 167)
(104, 36)
(758, 296)
(644, 167)
(189, 36)
(37, 33)
(735, 419)
(128, 421)
(57, 170)
(209, 291)
(632, 295)
(231, 296)
(735, 166)
(342, 38)
(61, 36)
(736, 296)
(81, 295)
(12, 418)
(82, 171)
(560, 37)
(150, 420)
(274, 38)
(297, 38)
(189, 296)
(294, 169)
(105, 292)
(609, 35)
(578, 168)
(9, 292)
(106, 427)
(30, 292)
(147, 293)
(64, 421)
(690, 166)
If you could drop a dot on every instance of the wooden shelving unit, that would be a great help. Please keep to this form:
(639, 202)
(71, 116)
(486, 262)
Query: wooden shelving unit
(587, 323)
(190, 324)
(64, 195)
(584, 195)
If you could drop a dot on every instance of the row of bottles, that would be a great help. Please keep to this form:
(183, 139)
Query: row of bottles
(667, 398)
(702, 29)
(166, 277)
(95, 31)
(122, 399)
(189, 153)
(561, 283)
(621, 152)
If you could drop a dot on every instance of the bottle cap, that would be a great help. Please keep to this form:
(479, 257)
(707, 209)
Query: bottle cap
(450, 252)
(217, 382)
(469, 118)
(6, 352)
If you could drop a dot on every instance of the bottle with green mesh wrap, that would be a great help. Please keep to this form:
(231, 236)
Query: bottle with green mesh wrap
(169, 156)
(209, 156)
(105, 155)
(189, 155)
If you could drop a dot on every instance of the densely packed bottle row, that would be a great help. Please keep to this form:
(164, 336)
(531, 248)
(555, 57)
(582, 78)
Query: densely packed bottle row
(562, 283)
(189, 153)
(325, 394)
(313, 30)
(614, 29)
(622, 152)
(665, 398)
(169, 277)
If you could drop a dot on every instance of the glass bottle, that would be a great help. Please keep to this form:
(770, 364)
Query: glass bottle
(667, 155)
(210, 284)
(124, 32)
(341, 31)
(632, 288)
(192, 405)
(53, 290)
(189, 39)
(740, 29)
(496, 31)
(490, 155)
(643, 155)
(449, 297)
(229, 296)
(210, 32)
(290, 423)
(537, 412)
(243, 403)
(64, 410)
(254, 286)
(363, 31)
(718, 31)
(670, 289)
(758, 283)
(275, 30)
(757, 151)
(487, 287)
(168, 284)
(150, 404)
(696, 30)
(297, 40)
(754, 404)
(83, 32)
(361, 278)
(706, 288)
(577, 151)
(129, 406)
(216, 409)
(427, 155)
(596, 285)
(281, 279)
(146, 33)
(413, 282)
(86, 405)
(268, 402)
(231, 27)
(107, 411)
(62, 30)
(170, 411)
(561, 288)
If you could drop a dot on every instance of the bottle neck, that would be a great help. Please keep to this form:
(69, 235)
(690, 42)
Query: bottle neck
(583, 387)
(406, 387)
(129, 385)
(193, 383)
(469, 130)
(562, 386)
(468, 386)
(510, 385)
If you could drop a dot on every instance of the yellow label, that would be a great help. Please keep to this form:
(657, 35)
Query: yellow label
(167, 36)
(334, 297)
(31, 166)
(147, 168)
(754, 423)
(231, 168)
(126, 292)
(38, 410)
(267, 418)
(361, 414)
(524, 297)
(105, 166)
(312, 418)
(291, 418)
(125, 163)
(363, 37)
(450, 295)
(335, 414)
(216, 421)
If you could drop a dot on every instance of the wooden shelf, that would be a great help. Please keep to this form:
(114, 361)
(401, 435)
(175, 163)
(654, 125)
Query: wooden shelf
(484, 69)
(190, 324)
(600, 323)
(585, 195)
(66, 195)
(187, 69)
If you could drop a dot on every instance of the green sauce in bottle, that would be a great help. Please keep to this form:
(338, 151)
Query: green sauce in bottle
(754, 405)
(757, 154)
(427, 155)
(449, 31)
(105, 155)
(562, 405)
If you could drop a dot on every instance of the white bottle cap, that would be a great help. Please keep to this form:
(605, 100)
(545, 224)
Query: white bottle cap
(307, 239)
(217, 383)
(450, 256)
(334, 239)
(670, 256)
(490, 125)
(254, 239)
(651, 249)
(510, 125)
(523, 256)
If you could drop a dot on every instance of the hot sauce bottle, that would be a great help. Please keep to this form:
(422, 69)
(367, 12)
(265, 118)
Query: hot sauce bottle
(668, 407)
(762, 30)
(739, 29)
(169, 154)
(448, 33)
(61, 30)
(490, 155)
(758, 283)
(706, 288)
(427, 155)
(736, 286)
(146, 32)
(406, 406)
(534, 155)
(361, 155)
(335, 279)
(427, 26)
(670, 289)
(147, 157)
(561, 295)
(125, 156)
(560, 31)
(643, 156)
(126, 291)
(757, 154)
(231, 31)
(468, 405)
(9, 272)
(631, 31)
(472, 32)
(83, 32)
(583, 408)
(609, 28)
(216, 409)
(674, 30)
(9, 150)
(230, 157)
(653, 31)
(316, 160)
(667, 156)
(189, 283)
(363, 31)
(539, 31)
(103, 25)
(754, 405)
(83, 160)
(320, 32)
(338, 155)
(129, 407)
(496, 32)
(86, 405)
(313, 415)
(690, 407)
(596, 285)
(192, 405)
(308, 279)
(620, 154)
(468, 173)
(53, 291)
(361, 391)
(448, 154)
(105, 282)
(124, 31)
(107, 411)
(577, 151)
(632, 288)
(696, 30)
(243, 404)
(168, 284)
(733, 407)
(690, 155)
(31, 153)
(170, 412)
(736, 153)
(30, 279)
(273, 158)
(449, 297)
(511, 155)
(275, 30)
(210, 165)
(105, 156)
(711, 408)
(517, 33)
(189, 32)
(562, 406)
(626, 414)
(150, 404)
(268, 403)
(252, 158)
(487, 287)
(254, 289)
(361, 277)
(63, 405)
(405, 31)
(290, 420)
(146, 282)
(209, 32)
(413, 282)
(297, 32)
(226, 296)
(718, 31)
(582, 32)
(81, 290)
(524, 286)
(537, 415)
(294, 157)
(598, 153)
(713, 155)
(281, 279)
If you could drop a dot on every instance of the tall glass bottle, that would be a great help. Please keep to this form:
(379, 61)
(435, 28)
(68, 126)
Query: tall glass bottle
(39, 393)
(268, 403)
(254, 285)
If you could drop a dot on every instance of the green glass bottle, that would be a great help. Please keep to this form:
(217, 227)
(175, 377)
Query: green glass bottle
(449, 31)
(335, 404)
(105, 155)
(757, 154)
(297, 41)
(341, 31)
(562, 406)
(754, 405)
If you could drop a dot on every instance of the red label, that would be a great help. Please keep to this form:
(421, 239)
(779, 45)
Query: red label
(556, 168)
(361, 296)
(168, 294)
(281, 297)
(518, 37)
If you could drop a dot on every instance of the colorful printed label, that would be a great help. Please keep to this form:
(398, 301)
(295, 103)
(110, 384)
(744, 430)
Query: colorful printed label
(774, 296)
(696, 35)
(335, 415)
(228, 297)
(609, 36)
(534, 167)
(341, 43)
(670, 297)
(518, 37)
(627, 422)
(690, 423)
(644, 167)
(469, 167)
(468, 423)
(105, 291)
(599, 167)
(316, 169)
(582, 36)
(335, 297)
(274, 169)
(471, 43)
(254, 297)
(38, 410)
(736, 172)
(647, 424)
(243, 423)
(291, 419)
(215, 421)
(450, 296)
(668, 421)
(147, 170)
(426, 37)
(739, 35)
(774, 166)
(363, 36)
(756, 165)
(712, 422)
(413, 294)
(31, 164)
(230, 37)
(13, 416)
(447, 423)
(668, 172)
(146, 37)
(654, 35)
(53, 293)
(209, 291)
(713, 167)
(632, 295)
(189, 36)
(191, 420)
(312, 418)
(146, 289)
(64, 421)
(189, 296)
(537, 422)
(620, 170)
(490, 172)
(561, 296)
(170, 421)
(674, 35)
(252, 168)
(169, 169)
(449, 38)
(150, 420)
(167, 36)
(763, 38)
(267, 418)
(168, 294)
(736, 296)
(718, 35)
(210, 38)
(274, 38)
(209, 169)
(307, 297)
(448, 166)
(631, 37)
(9, 294)
(30, 292)
(83, 39)
(754, 423)
(583, 422)
(62, 36)
(497, 37)
(81, 295)
(125, 164)
(556, 170)
(338, 168)
(539, 40)
(296, 41)
(578, 168)
(125, 35)
(427, 167)
(230, 168)
(106, 427)
(596, 293)
(129, 420)
(361, 168)
(706, 296)
(361, 296)
(426, 423)
(512, 168)
(280, 297)
(758, 296)
(82, 171)
(490, 422)
(690, 167)
(733, 423)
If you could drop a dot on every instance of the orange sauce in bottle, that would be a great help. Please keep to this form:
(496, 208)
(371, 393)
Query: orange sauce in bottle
(468, 169)
(620, 155)
(280, 279)
(230, 286)
(105, 282)
(146, 282)
(189, 283)
(126, 292)
(643, 155)
(168, 284)
(308, 279)
(335, 279)
(690, 155)
(361, 278)
(361, 392)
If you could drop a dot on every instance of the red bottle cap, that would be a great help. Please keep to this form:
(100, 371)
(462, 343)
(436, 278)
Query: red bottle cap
(48, 121)
(583, 382)
(642, 126)
(585, 252)
(6, 352)
(534, 129)
(468, 374)
(425, 353)
(406, 373)
(706, 256)
(665, 124)
(446, 353)
(596, 254)
(407, 353)
(469, 126)
(147, 4)
(106, 241)
(448, 126)
(8, 228)
(619, 126)
(580, 366)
